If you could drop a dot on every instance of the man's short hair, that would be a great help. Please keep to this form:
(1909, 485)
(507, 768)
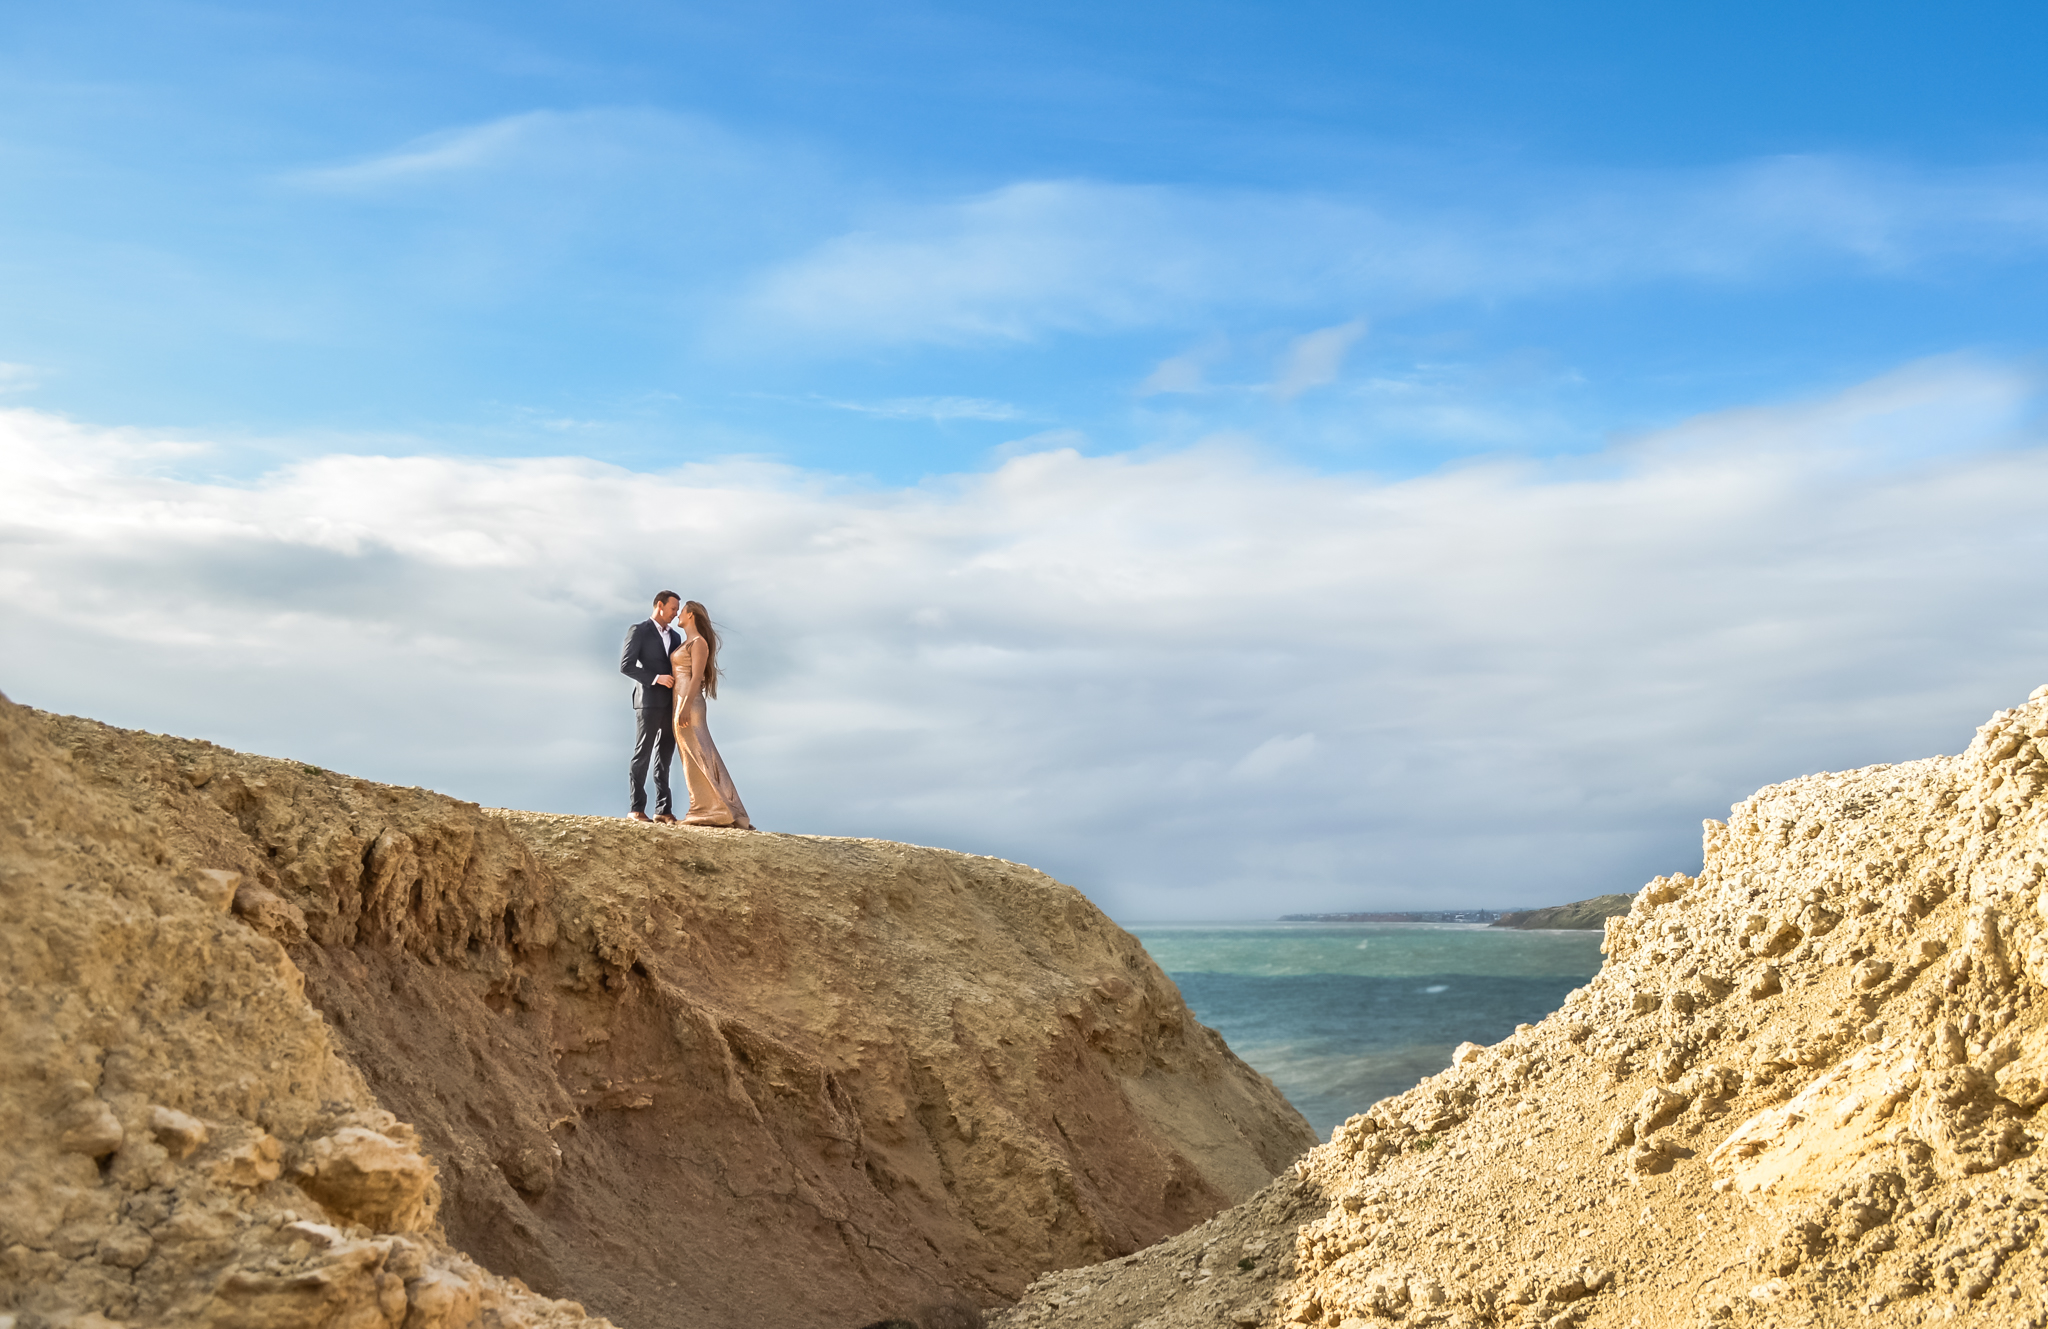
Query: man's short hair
(663, 597)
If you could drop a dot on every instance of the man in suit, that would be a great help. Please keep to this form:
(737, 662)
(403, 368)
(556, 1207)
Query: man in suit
(645, 661)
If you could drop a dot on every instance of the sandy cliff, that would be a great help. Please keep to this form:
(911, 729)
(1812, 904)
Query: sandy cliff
(1804, 1089)
(280, 1047)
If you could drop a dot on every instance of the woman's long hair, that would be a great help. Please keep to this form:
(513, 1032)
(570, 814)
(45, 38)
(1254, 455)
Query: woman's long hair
(702, 618)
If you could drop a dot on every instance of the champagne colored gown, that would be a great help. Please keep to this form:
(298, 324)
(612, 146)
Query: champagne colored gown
(713, 799)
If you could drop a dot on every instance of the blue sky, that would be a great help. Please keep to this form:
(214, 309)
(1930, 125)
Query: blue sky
(1180, 446)
(627, 229)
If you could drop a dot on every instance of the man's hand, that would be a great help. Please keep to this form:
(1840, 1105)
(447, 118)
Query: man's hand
(664, 680)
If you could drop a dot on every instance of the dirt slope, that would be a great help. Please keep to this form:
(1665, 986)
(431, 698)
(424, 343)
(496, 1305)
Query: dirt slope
(1803, 1090)
(684, 1076)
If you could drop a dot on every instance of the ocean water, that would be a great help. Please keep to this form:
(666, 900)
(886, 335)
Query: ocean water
(1340, 1015)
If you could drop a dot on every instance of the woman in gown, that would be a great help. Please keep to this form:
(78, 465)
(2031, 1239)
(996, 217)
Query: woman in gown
(713, 800)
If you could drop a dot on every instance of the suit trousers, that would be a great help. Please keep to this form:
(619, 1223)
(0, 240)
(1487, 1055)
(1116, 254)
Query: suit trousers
(654, 738)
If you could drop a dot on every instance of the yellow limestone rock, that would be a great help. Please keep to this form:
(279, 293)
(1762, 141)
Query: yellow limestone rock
(90, 1127)
(251, 1163)
(697, 1075)
(1804, 1089)
(217, 887)
(159, 1066)
(178, 1132)
(365, 1177)
(439, 1300)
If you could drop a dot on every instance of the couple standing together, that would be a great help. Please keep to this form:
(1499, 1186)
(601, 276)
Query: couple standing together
(672, 659)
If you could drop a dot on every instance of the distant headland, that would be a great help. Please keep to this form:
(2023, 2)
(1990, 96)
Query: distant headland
(1587, 914)
(1400, 916)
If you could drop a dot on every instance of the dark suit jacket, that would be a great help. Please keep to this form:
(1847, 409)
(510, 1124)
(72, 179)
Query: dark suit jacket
(642, 659)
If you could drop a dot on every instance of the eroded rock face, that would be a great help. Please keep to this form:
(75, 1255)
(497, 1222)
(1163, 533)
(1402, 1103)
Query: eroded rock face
(1804, 1089)
(160, 1071)
(685, 1076)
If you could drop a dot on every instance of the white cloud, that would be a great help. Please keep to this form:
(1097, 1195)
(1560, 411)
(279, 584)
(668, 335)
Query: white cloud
(937, 409)
(1184, 373)
(444, 152)
(18, 378)
(1042, 257)
(1176, 373)
(1187, 681)
(623, 172)
(1275, 755)
(1315, 359)
(1007, 265)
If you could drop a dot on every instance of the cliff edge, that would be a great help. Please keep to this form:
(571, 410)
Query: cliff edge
(281, 1047)
(1804, 1089)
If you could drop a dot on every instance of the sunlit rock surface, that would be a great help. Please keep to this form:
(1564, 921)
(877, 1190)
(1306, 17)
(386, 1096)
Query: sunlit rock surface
(280, 1047)
(1804, 1089)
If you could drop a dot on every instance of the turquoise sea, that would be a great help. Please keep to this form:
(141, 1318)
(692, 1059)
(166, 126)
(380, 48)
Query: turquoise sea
(1341, 1015)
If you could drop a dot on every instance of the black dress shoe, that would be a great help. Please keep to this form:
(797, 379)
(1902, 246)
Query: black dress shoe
(639, 816)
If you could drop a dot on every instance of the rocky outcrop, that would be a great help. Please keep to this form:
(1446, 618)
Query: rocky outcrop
(1804, 1089)
(184, 1140)
(1580, 915)
(281, 1047)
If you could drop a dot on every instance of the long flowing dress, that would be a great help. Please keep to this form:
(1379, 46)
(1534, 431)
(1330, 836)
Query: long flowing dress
(713, 799)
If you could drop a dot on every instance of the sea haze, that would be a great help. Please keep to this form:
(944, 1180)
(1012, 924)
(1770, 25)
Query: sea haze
(1340, 1015)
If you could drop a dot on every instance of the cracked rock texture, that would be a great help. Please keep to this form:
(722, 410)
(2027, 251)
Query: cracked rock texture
(279, 1047)
(1803, 1090)
(182, 1138)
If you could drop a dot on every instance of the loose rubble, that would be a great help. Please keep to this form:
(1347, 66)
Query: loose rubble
(1803, 1090)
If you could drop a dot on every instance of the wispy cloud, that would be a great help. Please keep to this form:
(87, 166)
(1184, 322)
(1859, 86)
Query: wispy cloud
(444, 152)
(607, 149)
(937, 409)
(1029, 258)
(1189, 681)
(1059, 256)
(1184, 373)
(1275, 755)
(18, 378)
(1315, 359)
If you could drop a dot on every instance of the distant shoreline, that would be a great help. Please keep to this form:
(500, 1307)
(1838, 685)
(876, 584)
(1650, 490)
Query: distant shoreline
(1400, 916)
(1579, 916)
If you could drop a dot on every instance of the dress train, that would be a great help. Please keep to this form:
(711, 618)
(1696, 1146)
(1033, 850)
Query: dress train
(713, 799)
